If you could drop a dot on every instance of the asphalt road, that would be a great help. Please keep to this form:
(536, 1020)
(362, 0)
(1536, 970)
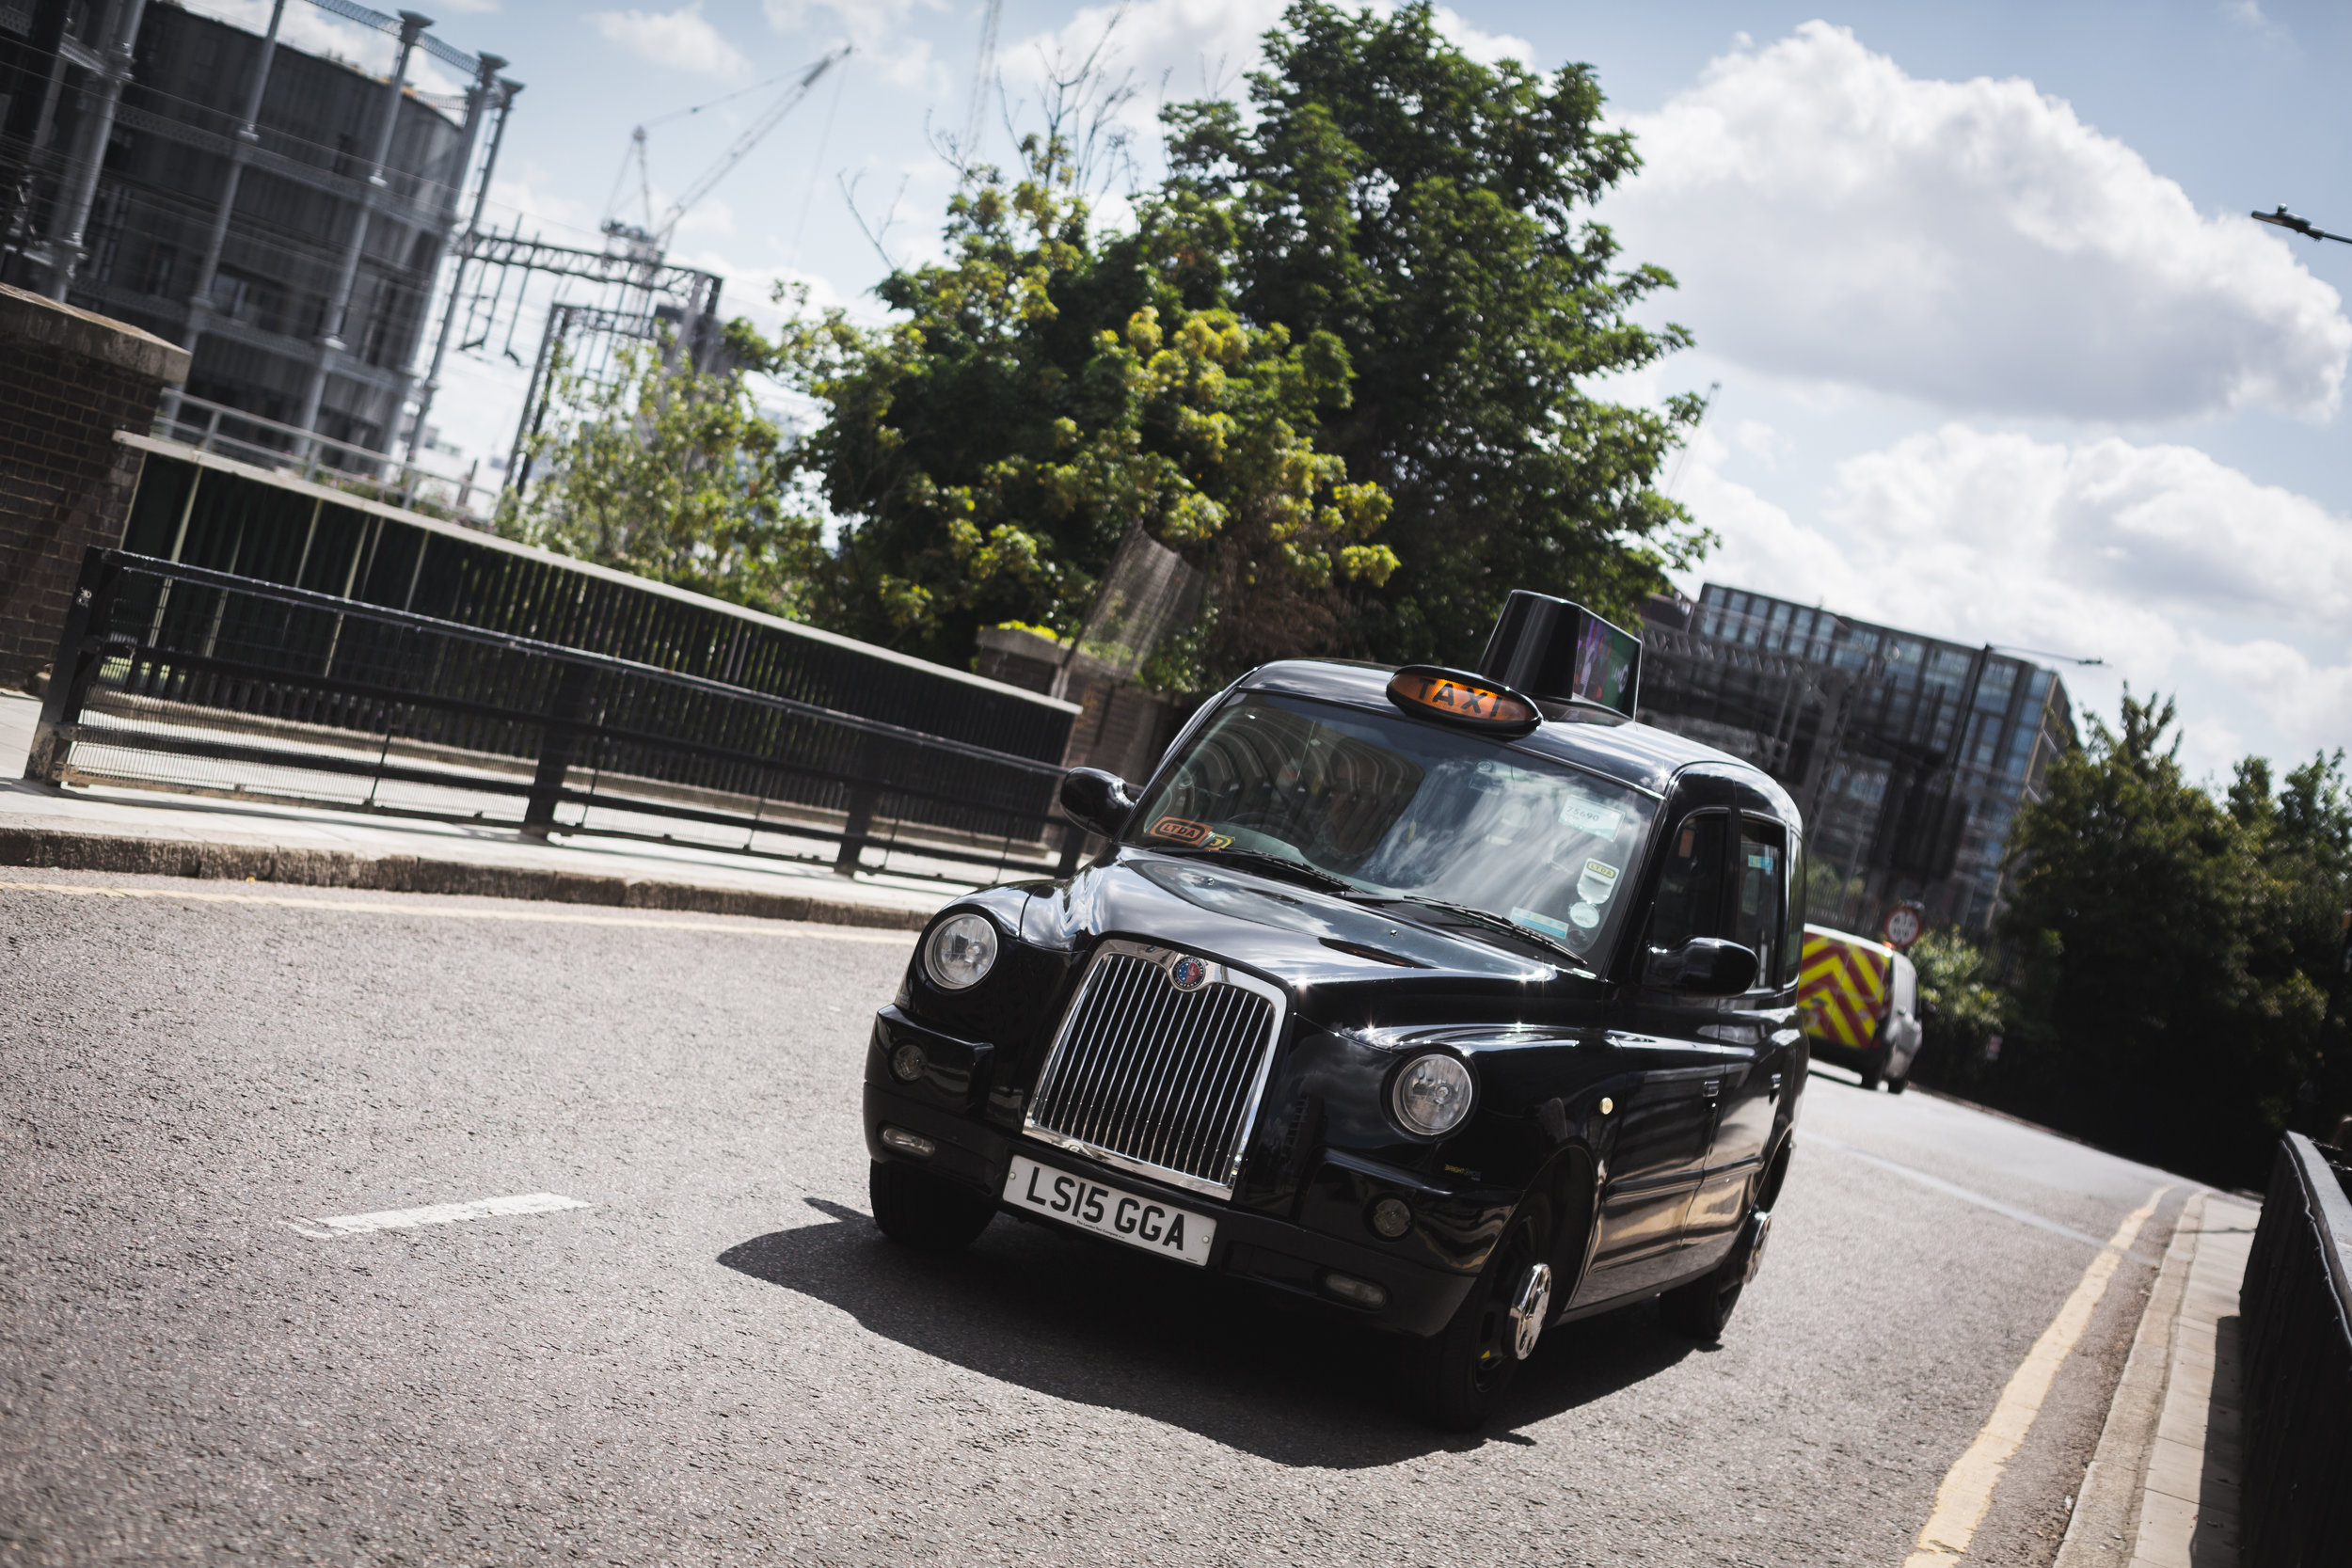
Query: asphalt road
(719, 1359)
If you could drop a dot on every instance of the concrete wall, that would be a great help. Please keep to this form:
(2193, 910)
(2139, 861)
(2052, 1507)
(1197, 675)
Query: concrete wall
(69, 380)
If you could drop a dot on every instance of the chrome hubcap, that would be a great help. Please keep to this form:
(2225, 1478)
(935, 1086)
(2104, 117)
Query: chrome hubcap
(1762, 1223)
(1530, 1305)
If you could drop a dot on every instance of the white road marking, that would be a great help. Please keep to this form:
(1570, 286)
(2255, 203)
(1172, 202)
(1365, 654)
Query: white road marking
(1936, 1184)
(439, 1214)
(746, 926)
(1967, 1489)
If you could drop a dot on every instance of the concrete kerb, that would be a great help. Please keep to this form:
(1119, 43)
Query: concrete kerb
(64, 850)
(2107, 1510)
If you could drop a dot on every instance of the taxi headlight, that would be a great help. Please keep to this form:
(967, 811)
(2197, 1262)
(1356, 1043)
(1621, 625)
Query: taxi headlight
(960, 951)
(1432, 1096)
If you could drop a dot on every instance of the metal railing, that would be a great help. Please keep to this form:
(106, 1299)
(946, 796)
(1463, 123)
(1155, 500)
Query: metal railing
(175, 678)
(205, 511)
(213, 427)
(2297, 1322)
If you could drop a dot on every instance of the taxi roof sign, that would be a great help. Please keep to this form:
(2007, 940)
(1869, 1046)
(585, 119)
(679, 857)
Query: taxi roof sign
(1458, 697)
(1562, 651)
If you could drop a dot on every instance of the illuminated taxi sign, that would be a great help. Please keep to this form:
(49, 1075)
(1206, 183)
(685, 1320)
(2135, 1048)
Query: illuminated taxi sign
(1459, 698)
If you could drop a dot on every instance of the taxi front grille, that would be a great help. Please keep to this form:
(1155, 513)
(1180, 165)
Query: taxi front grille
(1157, 1080)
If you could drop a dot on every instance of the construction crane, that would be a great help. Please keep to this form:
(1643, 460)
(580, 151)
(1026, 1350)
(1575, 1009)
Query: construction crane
(651, 241)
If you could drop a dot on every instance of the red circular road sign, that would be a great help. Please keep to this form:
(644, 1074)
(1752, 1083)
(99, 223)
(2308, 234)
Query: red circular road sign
(1903, 926)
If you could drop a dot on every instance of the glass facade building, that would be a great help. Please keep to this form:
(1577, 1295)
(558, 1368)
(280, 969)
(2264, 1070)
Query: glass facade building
(1909, 755)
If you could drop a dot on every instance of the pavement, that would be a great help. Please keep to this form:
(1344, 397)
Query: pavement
(2164, 1488)
(144, 830)
(654, 1322)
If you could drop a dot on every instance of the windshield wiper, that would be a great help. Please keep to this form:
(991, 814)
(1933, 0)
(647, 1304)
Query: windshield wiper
(1299, 869)
(1493, 922)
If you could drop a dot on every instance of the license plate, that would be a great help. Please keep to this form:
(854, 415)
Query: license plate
(1139, 1221)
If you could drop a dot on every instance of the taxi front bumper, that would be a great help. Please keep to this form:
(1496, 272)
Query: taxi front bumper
(1259, 1248)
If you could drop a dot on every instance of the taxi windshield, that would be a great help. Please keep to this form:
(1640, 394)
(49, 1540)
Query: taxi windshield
(1473, 832)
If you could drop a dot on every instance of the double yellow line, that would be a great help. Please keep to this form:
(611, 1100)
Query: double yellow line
(1967, 1489)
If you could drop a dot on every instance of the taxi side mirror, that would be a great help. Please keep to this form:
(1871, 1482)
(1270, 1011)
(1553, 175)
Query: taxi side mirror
(1703, 966)
(1098, 801)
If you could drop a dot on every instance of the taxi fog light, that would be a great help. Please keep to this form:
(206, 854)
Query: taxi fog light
(1356, 1293)
(960, 951)
(1391, 1218)
(909, 1143)
(907, 1063)
(1432, 1096)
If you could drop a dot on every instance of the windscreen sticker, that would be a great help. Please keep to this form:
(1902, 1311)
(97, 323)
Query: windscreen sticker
(1598, 880)
(1585, 915)
(1177, 830)
(1543, 923)
(1588, 817)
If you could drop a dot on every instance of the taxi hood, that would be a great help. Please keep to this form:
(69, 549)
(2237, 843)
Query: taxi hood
(1324, 950)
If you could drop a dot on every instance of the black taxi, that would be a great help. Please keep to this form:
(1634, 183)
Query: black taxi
(1456, 1000)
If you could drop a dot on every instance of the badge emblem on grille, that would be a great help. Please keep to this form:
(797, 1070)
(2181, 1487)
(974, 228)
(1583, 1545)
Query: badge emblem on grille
(1188, 973)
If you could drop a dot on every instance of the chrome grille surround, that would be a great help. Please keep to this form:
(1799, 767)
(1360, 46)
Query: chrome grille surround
(1157, 1080)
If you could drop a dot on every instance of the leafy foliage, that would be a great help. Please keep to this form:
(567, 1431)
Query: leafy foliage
(1963, 1003)
(1419, 209)
(1338, 364)
(1047, 388)
(2174, 952)
(672, 474)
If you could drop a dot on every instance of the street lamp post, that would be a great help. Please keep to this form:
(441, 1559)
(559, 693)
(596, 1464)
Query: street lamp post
(2287, 220)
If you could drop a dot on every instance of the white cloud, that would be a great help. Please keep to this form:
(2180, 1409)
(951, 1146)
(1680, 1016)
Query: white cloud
(1971, 244)
(680, 39)
(712, 219)
(2249, 14)
(877, 30)
(2182, 573)
(1184, 49)
(528, 193)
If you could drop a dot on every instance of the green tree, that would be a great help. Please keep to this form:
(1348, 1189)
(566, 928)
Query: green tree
(2301, 835)
(1962, 1006)
(2162, 1009)
(1421, 209)
(1048, 387)
(672, 474)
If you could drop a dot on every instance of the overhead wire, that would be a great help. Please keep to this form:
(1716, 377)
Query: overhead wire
(816, 165)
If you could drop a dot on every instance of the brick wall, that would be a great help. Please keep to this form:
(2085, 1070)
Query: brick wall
(69, 380)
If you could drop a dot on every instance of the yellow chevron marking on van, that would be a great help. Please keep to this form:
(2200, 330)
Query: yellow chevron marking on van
(1841, 989)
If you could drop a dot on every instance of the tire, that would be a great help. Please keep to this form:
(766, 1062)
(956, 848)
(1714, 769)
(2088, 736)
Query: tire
(916, 1209)
(1703, 1307)
(1897, 1085)
(1453, 1379)
(1873, 1071)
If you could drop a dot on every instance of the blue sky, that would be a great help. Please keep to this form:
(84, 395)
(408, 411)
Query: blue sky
(2001, 358)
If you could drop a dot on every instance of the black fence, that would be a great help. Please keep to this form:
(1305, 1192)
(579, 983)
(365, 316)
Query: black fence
(174, 676)
(2296, 1320)
(202, 511)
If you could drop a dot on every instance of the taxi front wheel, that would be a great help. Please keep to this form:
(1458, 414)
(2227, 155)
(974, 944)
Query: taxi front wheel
(1453, 1379)
(917, 1209)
